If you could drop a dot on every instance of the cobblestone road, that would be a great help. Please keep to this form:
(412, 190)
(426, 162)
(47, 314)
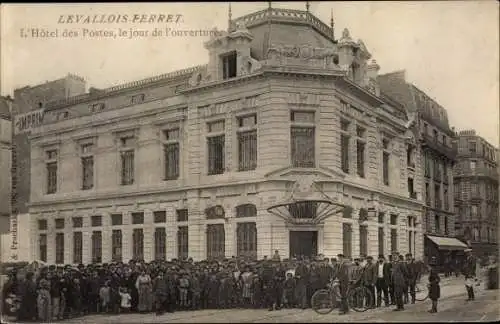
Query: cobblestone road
(452, 307)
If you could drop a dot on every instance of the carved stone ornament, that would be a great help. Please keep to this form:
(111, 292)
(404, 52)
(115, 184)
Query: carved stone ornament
(306, 52)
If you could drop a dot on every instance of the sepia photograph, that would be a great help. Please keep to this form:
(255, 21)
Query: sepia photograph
(249, 162)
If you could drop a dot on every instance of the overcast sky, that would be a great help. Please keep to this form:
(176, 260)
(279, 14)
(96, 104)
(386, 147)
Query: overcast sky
(448, 49)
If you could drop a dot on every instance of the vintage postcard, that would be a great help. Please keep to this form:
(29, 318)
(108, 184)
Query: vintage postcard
(249, 162)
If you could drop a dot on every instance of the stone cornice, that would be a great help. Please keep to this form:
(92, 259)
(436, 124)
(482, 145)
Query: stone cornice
(113, 91)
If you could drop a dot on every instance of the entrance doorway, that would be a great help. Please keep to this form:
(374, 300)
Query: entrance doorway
(303, 243)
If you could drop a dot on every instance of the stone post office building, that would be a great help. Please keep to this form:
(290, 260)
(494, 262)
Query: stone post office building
(282, 141)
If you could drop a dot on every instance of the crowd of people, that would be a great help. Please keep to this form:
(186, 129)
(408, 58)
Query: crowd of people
(49, 293)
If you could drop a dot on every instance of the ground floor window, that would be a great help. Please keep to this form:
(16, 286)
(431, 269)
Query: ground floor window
(182, 242)
(363, 240)
(96, 247)
(116, 245)
(77, 247)
(42, 243)
(138, 244)
(216, 241)
(59, 248)
(246, 240)
(381, 237)
(394, 240)
(347, 240)
(160, 243)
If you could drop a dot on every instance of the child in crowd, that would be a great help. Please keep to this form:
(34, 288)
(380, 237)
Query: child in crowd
(126, 299)
(105, 295)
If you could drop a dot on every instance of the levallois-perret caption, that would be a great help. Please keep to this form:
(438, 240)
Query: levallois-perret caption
(101, 26)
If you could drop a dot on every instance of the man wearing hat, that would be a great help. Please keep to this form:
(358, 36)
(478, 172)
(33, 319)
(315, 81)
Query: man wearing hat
(342, 274)
(383, 280)
(469, 272)
(370, 277)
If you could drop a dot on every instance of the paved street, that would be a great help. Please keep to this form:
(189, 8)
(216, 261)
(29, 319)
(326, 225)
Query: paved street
(452, 307)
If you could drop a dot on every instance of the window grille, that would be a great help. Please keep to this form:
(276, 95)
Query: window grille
(160, 243)
(59, 248)
(116, 245)
(182, 215)
(160, 216)
(77, 247)
(96, 247)
(42, 242)
(182, 242)
(247, 240)
(216, 241)
(246, 210)
(303, 147)
(138, 244)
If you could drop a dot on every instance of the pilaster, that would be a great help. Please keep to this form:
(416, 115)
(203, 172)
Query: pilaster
(106, 238)
(126, 237)
(149, 236)
(171, 229)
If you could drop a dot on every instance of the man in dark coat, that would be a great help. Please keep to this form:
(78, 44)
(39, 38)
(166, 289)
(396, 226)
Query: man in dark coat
(399, 281)
(469, 272)
(391, 285)
(160, 291)
(370, 278)
(342, 275)
(413, 274)
(383, 280)
(302, 275)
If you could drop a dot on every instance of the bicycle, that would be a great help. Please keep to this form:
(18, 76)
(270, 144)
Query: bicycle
(359, 298)
(421, 292)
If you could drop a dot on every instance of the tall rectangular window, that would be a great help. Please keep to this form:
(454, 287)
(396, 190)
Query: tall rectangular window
(347, 240)
(171, 151)
(247, 143)
(127, 156)
(446, 225)
(246, 240)
(216, 248)
(51, 177)
(344, 145)
(229, 65)
(42, 244)
(394, 240)
(77, 247)
(410, 242)
(87, 160)
(96, 247)
(160, 243)
(138, 244)
(381, 238)
(360, 150)
(182, 243)
(302, 134)
(437, 224)
(216, 147)
(363, 240)
(59, 248)
(385, 167)
(116, 245)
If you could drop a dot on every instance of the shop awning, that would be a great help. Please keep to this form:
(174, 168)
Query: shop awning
(448, 243)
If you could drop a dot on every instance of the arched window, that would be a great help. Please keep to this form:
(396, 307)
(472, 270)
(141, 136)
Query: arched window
(246, 238)
(246, 210)
(215, 212)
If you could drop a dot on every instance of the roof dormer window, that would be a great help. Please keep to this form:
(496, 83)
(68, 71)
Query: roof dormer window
(229, 65)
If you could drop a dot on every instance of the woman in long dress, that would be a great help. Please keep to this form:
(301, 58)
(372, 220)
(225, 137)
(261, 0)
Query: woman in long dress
(247, 280)
(145, 288)
(44, 301)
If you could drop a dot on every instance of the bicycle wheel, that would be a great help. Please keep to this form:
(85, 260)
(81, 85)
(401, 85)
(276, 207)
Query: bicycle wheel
(360, 299)
(322, 302)
(421, 292)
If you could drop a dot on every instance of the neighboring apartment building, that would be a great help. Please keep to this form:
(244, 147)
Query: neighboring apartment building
(286, 147)
(437, 159)
(28, 112)
(476, 192)
(5, 162)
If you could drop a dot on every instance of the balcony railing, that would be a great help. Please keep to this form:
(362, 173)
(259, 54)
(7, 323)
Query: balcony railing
(430, 142)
